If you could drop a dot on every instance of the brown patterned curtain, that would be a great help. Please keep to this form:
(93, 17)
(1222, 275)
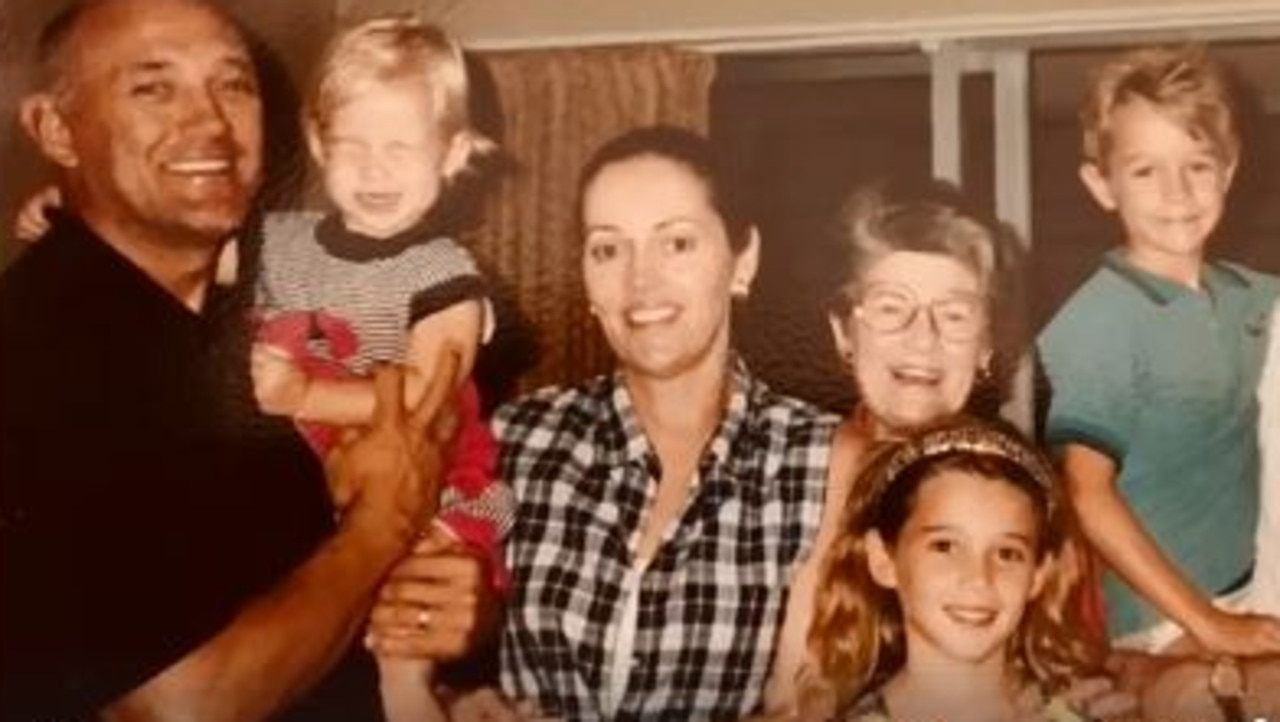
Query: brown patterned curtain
(557, 106)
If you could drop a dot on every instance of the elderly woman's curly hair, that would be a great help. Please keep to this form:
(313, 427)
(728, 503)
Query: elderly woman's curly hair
(925, 215)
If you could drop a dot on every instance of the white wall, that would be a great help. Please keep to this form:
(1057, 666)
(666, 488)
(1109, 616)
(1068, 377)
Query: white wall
(817, 23)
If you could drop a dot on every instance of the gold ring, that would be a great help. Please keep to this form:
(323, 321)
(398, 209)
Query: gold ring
(423, 618)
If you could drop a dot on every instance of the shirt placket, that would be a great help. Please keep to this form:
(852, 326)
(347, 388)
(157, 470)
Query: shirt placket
(625, 626)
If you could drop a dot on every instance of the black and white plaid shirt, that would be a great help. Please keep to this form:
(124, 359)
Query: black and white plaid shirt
(710, 602)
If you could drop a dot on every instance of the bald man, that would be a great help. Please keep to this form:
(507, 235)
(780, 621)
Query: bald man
(167, 551)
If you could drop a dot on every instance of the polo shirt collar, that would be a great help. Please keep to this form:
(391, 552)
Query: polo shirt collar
(1161, 291)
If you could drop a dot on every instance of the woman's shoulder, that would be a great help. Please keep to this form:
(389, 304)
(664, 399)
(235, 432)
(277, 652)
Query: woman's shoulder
(551, 407)
(853, 441)
(773, 408)
(851, 447)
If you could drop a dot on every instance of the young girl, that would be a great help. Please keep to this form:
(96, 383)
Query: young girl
(950, 593)
(388, 125)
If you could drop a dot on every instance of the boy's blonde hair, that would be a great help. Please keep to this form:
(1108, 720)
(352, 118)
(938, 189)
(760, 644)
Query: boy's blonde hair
(1183, 82)
(392, 49)
(858, 636)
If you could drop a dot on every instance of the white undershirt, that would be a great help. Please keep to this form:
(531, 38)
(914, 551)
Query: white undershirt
(622, 650)
(624, 638)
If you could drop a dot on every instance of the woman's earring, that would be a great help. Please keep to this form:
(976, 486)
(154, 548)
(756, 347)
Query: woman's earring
(984, 371)
(740, 288)
(986, 395)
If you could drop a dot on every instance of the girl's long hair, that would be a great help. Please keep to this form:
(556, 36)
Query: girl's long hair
(857, 633)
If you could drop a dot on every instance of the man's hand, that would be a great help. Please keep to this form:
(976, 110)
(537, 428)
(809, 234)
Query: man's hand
(490, 705)
(278, 383)
(284, 640)
(387, 478)
(32, 222)
(437, 603)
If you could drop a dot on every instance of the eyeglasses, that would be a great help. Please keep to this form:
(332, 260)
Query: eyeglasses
(889, 308)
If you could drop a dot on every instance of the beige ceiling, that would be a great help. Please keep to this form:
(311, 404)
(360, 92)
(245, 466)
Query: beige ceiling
(766, 24)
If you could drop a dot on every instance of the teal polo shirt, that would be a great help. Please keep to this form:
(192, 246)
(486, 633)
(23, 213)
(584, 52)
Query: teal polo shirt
(1161, 378)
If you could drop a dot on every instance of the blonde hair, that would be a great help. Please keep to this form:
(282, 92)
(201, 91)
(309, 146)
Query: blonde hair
(393, 49)
(1184, 83)
(857, 633)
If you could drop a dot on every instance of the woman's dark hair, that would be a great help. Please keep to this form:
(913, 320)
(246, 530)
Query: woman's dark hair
(686, 148)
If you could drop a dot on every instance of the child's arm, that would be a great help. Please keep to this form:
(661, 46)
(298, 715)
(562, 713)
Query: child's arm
(405, 688)
(1120, 538)
(406, 682)
(455, 329)
(283, 388)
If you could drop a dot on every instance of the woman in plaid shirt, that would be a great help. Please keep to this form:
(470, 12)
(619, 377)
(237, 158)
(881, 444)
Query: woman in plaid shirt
(663, 509)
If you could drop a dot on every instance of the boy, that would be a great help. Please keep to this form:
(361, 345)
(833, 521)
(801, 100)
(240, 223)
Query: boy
(1155, 359)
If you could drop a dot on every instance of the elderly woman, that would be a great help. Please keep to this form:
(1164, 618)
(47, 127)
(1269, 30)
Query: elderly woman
(927, 319)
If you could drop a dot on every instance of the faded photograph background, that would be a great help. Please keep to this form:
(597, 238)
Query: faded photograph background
(804, 126)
